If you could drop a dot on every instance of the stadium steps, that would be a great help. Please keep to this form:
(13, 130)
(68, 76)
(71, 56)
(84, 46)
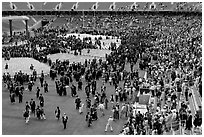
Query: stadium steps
(5, 27)
(143, 5)
(19, 25)
(165, 5)
(58, 22)
(168, 5)
(192, 104)
(196, 97)
(85, 5)
(16, 25)
(50, 6)
(36, 25)
(125, 5)
(6, 6)
(33, 19)
(22, 6)
(37, 18)
(31, 22)
(37, 5)
(67, 5)
(50, 22)
(104, 5)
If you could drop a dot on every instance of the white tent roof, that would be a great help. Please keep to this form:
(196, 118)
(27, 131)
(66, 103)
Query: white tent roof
(15, 18)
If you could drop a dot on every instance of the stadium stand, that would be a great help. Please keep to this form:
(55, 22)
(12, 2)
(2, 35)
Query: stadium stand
(177, 31)
(104, 6)
(85, 5)
(49, 6)
(21, 6)
(67, 6)
(59, 22)
(37, 5)
(6, 6)
(123, 5)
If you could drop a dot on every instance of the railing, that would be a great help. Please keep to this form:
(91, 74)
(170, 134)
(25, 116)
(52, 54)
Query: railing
(177, 128)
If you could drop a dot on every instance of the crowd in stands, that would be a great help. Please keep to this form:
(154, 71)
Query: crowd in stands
(168, 49)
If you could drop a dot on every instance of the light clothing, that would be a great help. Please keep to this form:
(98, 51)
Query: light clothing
(109, 124)
(81, 108)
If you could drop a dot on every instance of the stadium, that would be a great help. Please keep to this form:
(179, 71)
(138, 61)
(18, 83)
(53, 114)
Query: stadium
(102, 68)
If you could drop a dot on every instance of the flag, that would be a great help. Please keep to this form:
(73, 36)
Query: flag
(13, 6)
(95, 6)
(112, 6)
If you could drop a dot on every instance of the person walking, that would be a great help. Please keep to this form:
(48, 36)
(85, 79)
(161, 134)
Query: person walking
(57, 113)
(77, 102)
(20, 96)
(32, 106)
(80, 84)
(41, 98)
(41, 81)
(81, 108)
(42, 113)
(26, 115)
(101, 107)
(106, 103)
(109, 124)
(189, 124)
(45, 87)
(37, 92)
(12, 98)
(89, 119)
(6, 67)
(64, 120)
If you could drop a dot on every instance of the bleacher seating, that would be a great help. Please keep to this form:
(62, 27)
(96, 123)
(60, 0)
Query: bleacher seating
(6, 6)
(59, 22)
(104, 5)
(88, 20)
(50, 6)
(67, 5)
(123, 5)
(85, 5)
(37, 5)
(18, 24)
(37, 17)
(22, 6)
(5, 26)
(31, 21)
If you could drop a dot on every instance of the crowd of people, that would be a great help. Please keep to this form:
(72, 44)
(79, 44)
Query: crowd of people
(175, 69)
(168, 50)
